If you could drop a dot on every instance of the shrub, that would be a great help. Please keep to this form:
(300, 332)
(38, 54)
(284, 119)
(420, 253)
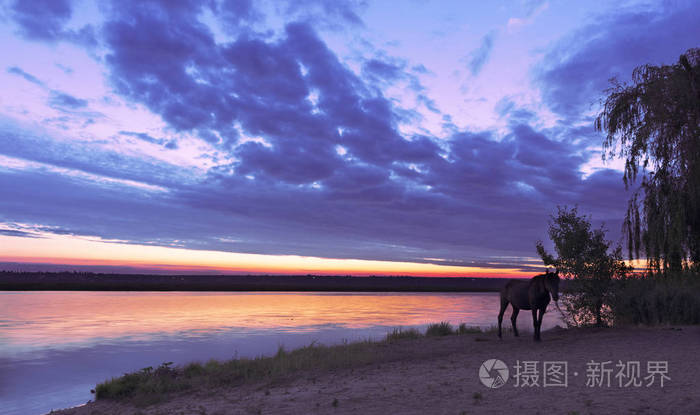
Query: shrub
(464, 329)
(401, 333)
(440, 329)
(670, 299)
(589, 263)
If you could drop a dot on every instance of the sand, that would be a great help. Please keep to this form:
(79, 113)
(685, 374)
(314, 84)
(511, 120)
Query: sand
(441, 376)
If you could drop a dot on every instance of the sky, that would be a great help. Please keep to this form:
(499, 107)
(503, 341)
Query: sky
(312, 136)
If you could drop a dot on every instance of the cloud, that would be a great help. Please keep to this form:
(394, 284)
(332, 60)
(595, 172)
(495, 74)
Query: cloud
(57, 99)
(253, 87)
(333, 14)
(45, 20)
(169, 144)
(490, 196)
(235, 12)
(90, 158)
(27, 76)
(574, 74)
(508, 109)
(479, 56)
(71, 203)
(14, 232)
(278, 106)
(60, 99)
(532, 9)
(42, 19)
(378, 68)
(428, 103)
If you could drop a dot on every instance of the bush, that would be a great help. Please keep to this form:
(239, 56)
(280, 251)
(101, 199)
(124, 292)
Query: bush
(401, 333)
(670, 299)
(590, 264)
(148, 383)
(440, 329)
(576, 309)
(464, 329)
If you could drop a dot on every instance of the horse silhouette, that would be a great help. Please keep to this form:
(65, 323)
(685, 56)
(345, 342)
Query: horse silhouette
(532, 294)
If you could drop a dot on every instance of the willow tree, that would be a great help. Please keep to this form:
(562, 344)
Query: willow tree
(654, 124)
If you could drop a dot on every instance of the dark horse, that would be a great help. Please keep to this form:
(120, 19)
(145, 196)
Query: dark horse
(532, 294)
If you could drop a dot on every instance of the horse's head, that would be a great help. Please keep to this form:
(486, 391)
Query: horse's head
(551, 284)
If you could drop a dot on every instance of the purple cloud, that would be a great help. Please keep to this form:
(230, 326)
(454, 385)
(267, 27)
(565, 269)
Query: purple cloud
(316, 161)
(574, 74)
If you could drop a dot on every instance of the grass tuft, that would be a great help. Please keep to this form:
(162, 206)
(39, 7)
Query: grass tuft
(401, 333)
(464, 329)
(440, 329)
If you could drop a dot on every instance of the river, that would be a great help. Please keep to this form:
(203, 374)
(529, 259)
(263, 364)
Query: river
(56, 346)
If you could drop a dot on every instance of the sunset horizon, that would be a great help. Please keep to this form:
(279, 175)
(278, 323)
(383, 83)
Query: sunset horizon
(86, 256)
(324, 139)
(349, 207)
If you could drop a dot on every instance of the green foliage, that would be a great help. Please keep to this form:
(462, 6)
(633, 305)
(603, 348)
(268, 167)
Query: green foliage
(440, 329)
(654, 123)
(401, 333)
(435, 329)
(149, 386)
(464, 329)
(649, 300)
(147, 383)
(586, 259)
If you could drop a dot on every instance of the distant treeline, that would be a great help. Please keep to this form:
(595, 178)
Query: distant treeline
(82, 281)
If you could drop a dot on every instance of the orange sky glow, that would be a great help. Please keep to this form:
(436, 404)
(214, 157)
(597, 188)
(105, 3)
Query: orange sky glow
(86, 251)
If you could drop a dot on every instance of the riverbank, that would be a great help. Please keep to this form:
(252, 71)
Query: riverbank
(441, 375)
(71, 281)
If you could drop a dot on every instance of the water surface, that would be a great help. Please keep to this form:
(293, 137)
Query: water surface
(55, 346)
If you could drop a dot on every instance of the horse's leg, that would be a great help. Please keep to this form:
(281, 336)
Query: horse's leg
(504, 305)
(513, 319)
(539, 321)
(534, 324)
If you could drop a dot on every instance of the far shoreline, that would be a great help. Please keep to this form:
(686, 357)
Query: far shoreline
(81, 281)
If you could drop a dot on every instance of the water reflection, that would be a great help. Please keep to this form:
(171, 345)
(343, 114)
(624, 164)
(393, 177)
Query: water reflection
(68, 318)
(55, 346)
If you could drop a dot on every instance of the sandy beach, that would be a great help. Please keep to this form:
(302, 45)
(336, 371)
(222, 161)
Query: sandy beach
(441, 375)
